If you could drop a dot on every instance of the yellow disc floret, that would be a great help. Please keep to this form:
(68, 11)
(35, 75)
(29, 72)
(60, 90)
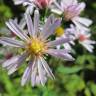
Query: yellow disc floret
(59, 31)
(36, 46)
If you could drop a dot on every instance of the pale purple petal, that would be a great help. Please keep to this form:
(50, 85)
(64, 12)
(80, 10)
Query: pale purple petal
(88, 47)
(15, 28)
(27, 75)
(33, 77)
(47, 24)
(36, 22)
(14, 63)
(52, 28)
(84, 21)
(30, 9)
(22, 58)
(47, 68)
(80, 26)
(40, 72)
(29, 24)
(10, 61)
(88, 44)
(59, 41)
(81, 7)
(11, 42)
(61, 55)
(12, 68)
(67, 3)
(64, 51)
(38, 82)
(34, 73)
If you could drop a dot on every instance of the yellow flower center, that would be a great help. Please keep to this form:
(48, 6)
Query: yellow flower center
(59, 31)
(36, 46)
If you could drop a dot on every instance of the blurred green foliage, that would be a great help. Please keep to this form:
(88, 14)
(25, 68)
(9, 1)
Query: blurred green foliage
(76, 78)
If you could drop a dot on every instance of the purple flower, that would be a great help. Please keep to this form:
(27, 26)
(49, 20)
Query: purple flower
(83, 37)
(35, 44)
(71, 10)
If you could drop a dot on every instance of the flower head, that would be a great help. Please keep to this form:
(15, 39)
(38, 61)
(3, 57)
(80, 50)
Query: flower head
(71, 10)
(83, 37)
(35, 44)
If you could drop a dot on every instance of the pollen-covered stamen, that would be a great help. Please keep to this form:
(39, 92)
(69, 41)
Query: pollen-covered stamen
(35, 46)
(59, 31)
(82, 37)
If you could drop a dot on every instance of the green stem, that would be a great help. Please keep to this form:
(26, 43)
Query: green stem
(45, 13)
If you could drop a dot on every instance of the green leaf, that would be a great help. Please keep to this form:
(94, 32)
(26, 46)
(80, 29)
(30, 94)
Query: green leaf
(69, 70)
(74, 83)
(87, 92)
(93, 88)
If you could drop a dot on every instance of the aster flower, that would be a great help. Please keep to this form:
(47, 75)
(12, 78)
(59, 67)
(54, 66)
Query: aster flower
(35, 45)
(83, 37)
(41, 4)
(71, 10)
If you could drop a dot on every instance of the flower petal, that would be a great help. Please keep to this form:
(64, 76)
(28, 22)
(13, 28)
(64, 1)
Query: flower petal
(29, 24)
(47, 24)
(34, 72)
(17, 2)
(15, 28)
(60, 54)
(69, 2)
(26, 76)
(11, 42)
(81, 7)
(33, 77)
(84, 21)
(14, 62)
(88, 47)
(47, 68)
(41, 73)
(80, 26)
(30, 9)
(36, 22)
(59, 42)
(11, 69)
(10, 61)
(52, 28)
